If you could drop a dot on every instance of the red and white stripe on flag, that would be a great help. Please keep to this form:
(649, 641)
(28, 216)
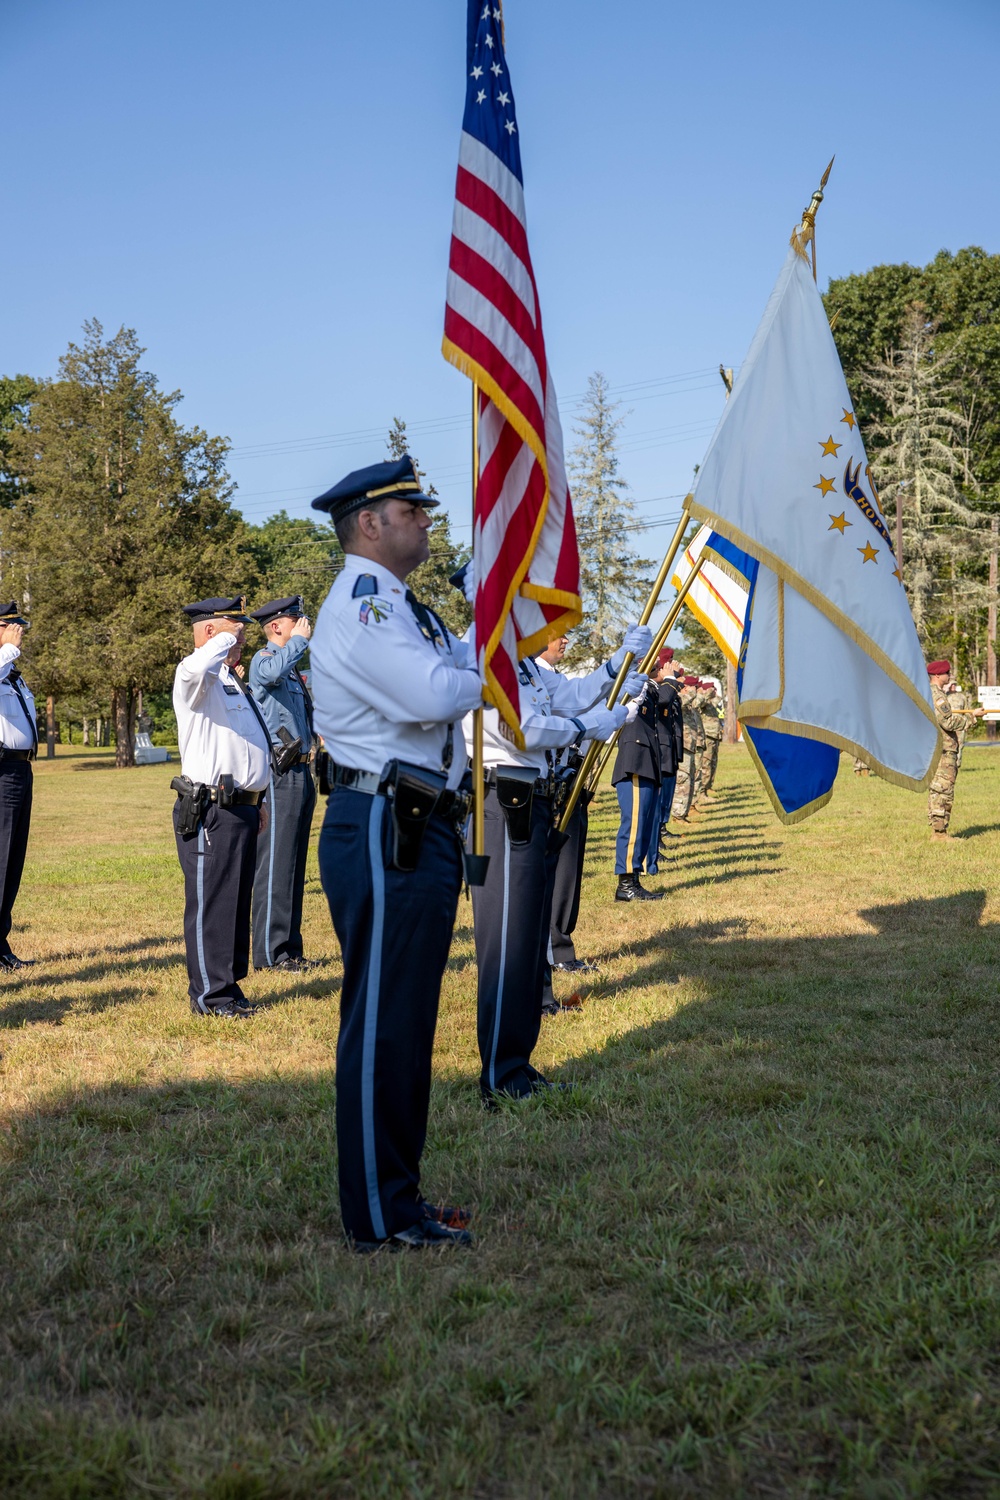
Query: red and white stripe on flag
(527, 565)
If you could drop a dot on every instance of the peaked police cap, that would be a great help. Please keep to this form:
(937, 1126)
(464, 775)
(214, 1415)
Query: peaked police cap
(11, 615)
(293, 607)
(217, 609)
(395, 480)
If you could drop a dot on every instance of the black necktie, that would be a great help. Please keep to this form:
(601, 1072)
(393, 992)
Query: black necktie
(15, 683)
(424, 617)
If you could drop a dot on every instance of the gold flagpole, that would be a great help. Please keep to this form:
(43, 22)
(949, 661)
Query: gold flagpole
(594, 748)
(478, 773)
(807, 229)
(670, 620)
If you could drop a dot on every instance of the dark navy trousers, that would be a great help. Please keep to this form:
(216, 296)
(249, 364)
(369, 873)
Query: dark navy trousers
(639, 801)
(511, 914)
(281, 868)
(566, 892)
(16, 782)
(218, 864)
(394, 930)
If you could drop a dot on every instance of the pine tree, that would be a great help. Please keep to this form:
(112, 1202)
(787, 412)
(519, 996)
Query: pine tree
(430, 581)
(123, 515)
(612, 578)
(920, 454)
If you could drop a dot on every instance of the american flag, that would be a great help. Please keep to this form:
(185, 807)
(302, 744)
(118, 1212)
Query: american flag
(527, 566)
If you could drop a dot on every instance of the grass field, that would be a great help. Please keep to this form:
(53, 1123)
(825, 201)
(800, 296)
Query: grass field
(752, 1251)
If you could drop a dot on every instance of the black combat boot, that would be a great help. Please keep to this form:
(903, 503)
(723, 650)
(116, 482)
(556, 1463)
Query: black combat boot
(629, 889)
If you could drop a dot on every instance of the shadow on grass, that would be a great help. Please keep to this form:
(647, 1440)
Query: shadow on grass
(976, 830)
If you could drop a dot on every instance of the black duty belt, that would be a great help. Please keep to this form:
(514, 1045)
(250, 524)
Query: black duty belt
(542, 788)
(6, 754)
(239, 799)
(372, 783)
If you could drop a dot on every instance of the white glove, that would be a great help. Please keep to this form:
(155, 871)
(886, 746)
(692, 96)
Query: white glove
(601, 723)
(638, 639)
(632, 711)
(636, 684)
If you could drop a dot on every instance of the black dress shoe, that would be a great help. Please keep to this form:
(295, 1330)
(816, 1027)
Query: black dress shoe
(236, 1010)
(427, 1235)
(11, 961)
(577, 966)
(524, 1084)
(289, 965)
(629, 889)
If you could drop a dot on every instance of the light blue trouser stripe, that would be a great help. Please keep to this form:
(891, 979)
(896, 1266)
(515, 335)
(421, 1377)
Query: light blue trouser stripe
(270, 874)
(371, 1014)
(503, 956)
(199, 926)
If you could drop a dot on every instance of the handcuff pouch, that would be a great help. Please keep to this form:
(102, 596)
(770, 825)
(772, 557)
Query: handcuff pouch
(515, 787)
(412, 794)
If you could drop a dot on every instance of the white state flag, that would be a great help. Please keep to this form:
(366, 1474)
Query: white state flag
(832, 652)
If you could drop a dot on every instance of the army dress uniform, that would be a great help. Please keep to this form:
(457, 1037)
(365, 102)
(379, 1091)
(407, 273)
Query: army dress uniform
(670, 736)
(226, 758)
(19, 739)
(636, 779)
(512, 911)
(279, 883)
(389, 685)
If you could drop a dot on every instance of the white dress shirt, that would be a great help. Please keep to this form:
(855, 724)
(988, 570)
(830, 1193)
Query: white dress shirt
(15, 723)
(381, 690)
(549, 702)
(217, 731)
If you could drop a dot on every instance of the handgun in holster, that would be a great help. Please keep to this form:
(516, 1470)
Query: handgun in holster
(412, 794)
(289, 753)
(193, 799)
(515, 786)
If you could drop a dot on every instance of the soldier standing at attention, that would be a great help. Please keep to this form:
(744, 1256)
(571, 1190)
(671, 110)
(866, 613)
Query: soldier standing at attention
(284, 701)
(389, 684)
(670, 734)
(225, 769)
(637, 779)
(19, 739)
(712, 725)
(941, 795)
(686, 771)
(959, 702)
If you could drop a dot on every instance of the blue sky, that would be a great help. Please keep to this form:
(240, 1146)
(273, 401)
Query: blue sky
(264, 194)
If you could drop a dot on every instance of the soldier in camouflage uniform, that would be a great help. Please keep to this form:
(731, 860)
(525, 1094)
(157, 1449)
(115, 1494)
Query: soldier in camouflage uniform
(713, 738)
(694, 741)
(958, 702)
(942, 789)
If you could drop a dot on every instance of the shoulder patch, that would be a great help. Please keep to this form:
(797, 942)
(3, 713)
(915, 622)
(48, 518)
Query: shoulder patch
(374, 609)
(265, 653)
(367, 583)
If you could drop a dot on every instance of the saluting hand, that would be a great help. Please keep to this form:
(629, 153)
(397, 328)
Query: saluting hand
(302, 627)
(12, 635)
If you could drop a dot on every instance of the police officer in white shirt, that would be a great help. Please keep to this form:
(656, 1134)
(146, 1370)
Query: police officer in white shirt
(19, 740)
(225, 768)
(389, 684)
(512, 910)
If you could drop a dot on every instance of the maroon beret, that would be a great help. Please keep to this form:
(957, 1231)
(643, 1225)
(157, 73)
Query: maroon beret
(691, 682)
(939, 668)
(667, 654)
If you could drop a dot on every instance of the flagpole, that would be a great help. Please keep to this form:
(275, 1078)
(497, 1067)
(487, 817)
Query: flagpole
(476, 866)
(808, 225)
(594, 748)
(647, 663)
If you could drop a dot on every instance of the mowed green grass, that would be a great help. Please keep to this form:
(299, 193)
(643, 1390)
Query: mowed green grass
(752, 1251)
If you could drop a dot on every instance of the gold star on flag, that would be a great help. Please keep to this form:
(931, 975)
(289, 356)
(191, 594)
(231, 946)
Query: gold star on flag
(838, 523)
(826, 485)
(848, 417)
(830, 448)
(897, 574)
(868, 553)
